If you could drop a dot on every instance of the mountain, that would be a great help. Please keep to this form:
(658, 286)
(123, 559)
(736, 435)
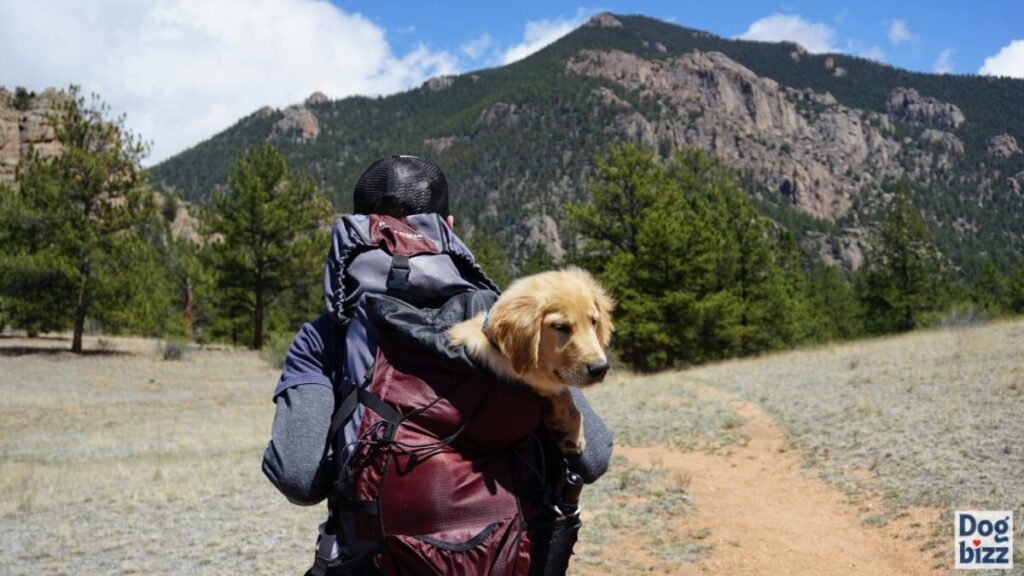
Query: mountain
(819, 140)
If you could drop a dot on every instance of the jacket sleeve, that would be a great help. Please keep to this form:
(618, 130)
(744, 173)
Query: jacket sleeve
(597, 453)
(296, 459)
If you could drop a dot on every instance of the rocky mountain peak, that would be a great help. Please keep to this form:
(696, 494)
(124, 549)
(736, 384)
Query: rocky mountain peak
(604, 20)
(801, 144)
(317, 98)
(298, 123)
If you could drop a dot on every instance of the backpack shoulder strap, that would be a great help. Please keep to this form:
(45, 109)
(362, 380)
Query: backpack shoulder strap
(362, 395)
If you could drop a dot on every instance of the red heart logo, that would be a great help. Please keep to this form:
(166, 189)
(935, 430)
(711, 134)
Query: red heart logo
(976, 542)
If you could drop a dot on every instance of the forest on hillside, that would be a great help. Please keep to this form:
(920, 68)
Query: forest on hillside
(699, 274)
(518, 141)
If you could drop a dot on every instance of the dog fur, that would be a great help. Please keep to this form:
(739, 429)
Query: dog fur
(549, 331)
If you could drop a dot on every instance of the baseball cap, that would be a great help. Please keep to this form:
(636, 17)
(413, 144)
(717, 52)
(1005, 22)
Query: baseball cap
(401, 185)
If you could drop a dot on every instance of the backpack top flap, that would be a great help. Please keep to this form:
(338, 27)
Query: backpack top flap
(436, 264)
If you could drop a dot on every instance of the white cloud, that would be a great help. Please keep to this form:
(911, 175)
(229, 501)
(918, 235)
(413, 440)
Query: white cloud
(816, 37)
(1009, 61)
(183, 70)
(540, 33)
(944, 62)
(476, 47)
(875, 53)
(899, 33)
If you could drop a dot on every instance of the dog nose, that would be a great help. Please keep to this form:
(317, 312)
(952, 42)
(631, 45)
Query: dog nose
(597, 370)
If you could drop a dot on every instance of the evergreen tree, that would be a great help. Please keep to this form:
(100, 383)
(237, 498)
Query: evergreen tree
(627, 185)
(765, 312)
(271, 235)
(835, 309)
(73, 229)
(192, 283)
(22, 98)
(991, 291)
(490, 255)
(697, 274)
(1015, 288)
(616, 224)
(537, 260)
(905, 273)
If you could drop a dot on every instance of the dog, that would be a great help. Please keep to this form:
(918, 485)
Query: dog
(548, 331)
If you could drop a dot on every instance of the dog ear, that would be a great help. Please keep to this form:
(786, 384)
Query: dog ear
(515, 326)
(605, 305)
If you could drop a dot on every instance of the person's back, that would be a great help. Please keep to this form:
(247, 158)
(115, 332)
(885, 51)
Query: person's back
(331, 355)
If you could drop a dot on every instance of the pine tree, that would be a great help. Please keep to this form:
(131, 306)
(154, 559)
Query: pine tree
(835, 310)
(73, 228)
(271, 241)
(905, 274)
(696, 272)
(991, 291)
(1015, 288)
(491, 257)
(616, 224)
(627, 185)
(537, 260)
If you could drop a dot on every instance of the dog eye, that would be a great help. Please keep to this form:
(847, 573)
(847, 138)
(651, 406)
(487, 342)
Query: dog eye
(562, 327)
(593, 321)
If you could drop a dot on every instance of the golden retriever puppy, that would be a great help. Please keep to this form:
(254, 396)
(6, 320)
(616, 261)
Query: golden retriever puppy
(548, 331)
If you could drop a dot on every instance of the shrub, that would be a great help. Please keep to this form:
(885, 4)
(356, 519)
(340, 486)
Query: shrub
(174, 348)
(22, 98)
(275, 348)
(106, 346)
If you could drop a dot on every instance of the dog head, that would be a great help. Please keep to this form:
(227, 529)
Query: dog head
(554, 328)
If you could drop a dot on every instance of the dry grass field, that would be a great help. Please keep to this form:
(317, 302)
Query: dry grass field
(122, 463)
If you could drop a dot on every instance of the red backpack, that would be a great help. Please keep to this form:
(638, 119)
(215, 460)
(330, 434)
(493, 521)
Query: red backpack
(443, 473)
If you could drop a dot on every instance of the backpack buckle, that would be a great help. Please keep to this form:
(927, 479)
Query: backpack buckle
(398, 276)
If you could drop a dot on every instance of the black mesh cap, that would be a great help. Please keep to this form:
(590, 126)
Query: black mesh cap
(400, 186)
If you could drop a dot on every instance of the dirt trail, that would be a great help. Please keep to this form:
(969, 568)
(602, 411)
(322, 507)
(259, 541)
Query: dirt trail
(766, 517)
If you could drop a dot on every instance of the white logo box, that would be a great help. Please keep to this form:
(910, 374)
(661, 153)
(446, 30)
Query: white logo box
(983, 539)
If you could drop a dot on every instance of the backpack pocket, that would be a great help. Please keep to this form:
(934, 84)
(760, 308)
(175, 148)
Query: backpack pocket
(501, 548)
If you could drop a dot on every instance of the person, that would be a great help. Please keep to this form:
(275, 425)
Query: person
(300, 459)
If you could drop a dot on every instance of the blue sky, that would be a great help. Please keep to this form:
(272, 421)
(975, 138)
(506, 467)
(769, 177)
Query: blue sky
(910, 34)
(183, 70)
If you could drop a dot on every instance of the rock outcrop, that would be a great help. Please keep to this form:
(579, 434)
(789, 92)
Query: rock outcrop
(909, 105)
(945, 140)
(1003, 146)
(317, 98)
(21, 130)
(437, 83)
(805, 147)
(846, 249)
(298, 123)
(542, 231)
(604, 20)
(499, 113)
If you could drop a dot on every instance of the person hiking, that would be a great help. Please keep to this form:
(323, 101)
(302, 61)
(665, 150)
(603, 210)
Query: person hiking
(395, 279)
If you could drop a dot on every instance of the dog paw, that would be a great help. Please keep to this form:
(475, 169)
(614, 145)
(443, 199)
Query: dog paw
(565, 423)
(572, 446)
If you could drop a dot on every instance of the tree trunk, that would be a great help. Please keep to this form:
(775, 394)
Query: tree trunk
(189, 311)
(80, 307)
(257, 320)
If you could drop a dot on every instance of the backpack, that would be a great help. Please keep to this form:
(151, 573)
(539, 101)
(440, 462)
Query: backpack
(433, 456)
